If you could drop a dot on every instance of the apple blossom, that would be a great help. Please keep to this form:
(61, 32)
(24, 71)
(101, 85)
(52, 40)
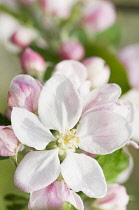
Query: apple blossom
(24, 92)
(23, 36)
(59, 8)
(129, 56)
(71, 50)
(98, 15)
(8, 141)
(60, 108)
(98, 72)
(115, 199)
(32, 63)
(53, 197)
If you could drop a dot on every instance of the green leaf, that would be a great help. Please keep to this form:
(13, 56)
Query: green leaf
(118, 73)
(16, 206)
(16, 198)
(68, 206)
(4, 157)
(4, 120)
(113, 164)
(110, 36)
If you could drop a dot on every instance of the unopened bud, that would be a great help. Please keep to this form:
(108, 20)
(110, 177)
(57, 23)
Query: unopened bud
(71, 50)
(32, 63)
(22, 37)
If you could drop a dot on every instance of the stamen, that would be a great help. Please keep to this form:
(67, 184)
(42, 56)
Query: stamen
(68, 140)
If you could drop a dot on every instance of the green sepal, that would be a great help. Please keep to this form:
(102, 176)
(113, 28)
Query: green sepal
(68, 206)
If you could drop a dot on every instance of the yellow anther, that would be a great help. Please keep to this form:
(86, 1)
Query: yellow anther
(68, 140)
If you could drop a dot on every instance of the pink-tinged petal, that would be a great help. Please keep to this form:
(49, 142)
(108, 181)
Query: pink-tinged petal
(29, 130)
(115, 199)
(24, 92)
(133, 97)
(83, 173)
(129, 56)
(103, 132)
(59, 104)
(74, 70)
(53, 196)
(37, 170)
(120, 107)
(76, 201)
(133, 144)
(106, 94)
(4, 151)
(8, 141)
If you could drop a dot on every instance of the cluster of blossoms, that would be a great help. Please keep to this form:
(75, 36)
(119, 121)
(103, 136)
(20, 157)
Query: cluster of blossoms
(69, 123)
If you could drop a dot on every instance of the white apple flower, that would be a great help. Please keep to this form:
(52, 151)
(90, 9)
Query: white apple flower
(60, 108)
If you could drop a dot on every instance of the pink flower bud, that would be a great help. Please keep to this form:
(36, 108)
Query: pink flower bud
(24, 92)
(98, 15)
(22, 37)
(115, 199)
(98, 72)
(32, 63)
(71, 50)
(53, 197)
(129, 56)
(8, 141)
(59, 8)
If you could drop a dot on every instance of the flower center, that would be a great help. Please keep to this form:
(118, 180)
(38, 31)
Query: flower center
(68, 140)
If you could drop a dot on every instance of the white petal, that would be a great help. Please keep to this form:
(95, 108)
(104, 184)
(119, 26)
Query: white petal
(106, 94)
(74, 70)
(37, 170)
(103, 132)
(59, 104)
(83, 173)
(123, 108)
(29, 130)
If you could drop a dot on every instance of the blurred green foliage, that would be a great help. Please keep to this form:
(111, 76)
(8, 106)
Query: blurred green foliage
(113, 164)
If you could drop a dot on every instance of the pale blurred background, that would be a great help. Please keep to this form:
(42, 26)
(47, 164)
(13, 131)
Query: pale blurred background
(128, 18)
